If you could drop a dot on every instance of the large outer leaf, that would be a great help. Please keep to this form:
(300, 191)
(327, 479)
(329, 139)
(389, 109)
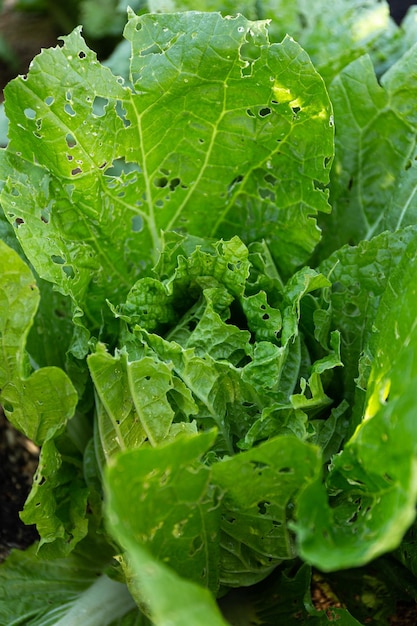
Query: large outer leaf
(163, 500)
(39, 403)
(213, 140)
(373, 179)
(40, 592)
(58, 500)
(359, 276)
(259, 488)
(171, 599)
(374, 479)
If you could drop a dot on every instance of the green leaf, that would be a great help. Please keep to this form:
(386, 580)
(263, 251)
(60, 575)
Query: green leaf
(335, 38)
(372, 482)
(161, 499)
(134, 400)
(169, 598)
(359, 276)
(259, 488)
(39, 403)
(255, 152)
(378, 127)
(284, 598)
(36, 591)
(57, 502)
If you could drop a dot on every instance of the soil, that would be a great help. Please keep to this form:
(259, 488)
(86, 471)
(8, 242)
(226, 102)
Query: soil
(18, 462)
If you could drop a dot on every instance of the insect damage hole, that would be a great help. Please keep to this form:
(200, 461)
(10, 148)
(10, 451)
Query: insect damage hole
(137, 223)
(249, 53)
(30, 113)
(265, 112)
(263, 507)
(70, 139)
(122, 114)
(99, 106)
(69, 110)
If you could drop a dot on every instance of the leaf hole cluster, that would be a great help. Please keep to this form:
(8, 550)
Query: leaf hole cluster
(164, 182)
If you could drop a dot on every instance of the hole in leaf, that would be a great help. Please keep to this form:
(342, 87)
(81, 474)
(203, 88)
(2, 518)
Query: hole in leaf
(250, 51)
(174, 184)
(81, 54)
(56, 258)
(296, 110)
(153, 49)
(196, 545)
(319, 185)
(286, 470)
(263, 507)
(76, 170)
(121, 112)
(353, 519)
(99, 106)
(70, 139)
(265, 112)
(68, 109)
(18, 222)
(269, 178)
(45, 216)
(161, 182)
(250, 113)
(30, 113)
(235, 181)
(69, 271)
(266, 194)
(137, 223)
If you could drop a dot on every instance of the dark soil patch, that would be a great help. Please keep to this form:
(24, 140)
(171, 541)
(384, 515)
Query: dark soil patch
(18, 462)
